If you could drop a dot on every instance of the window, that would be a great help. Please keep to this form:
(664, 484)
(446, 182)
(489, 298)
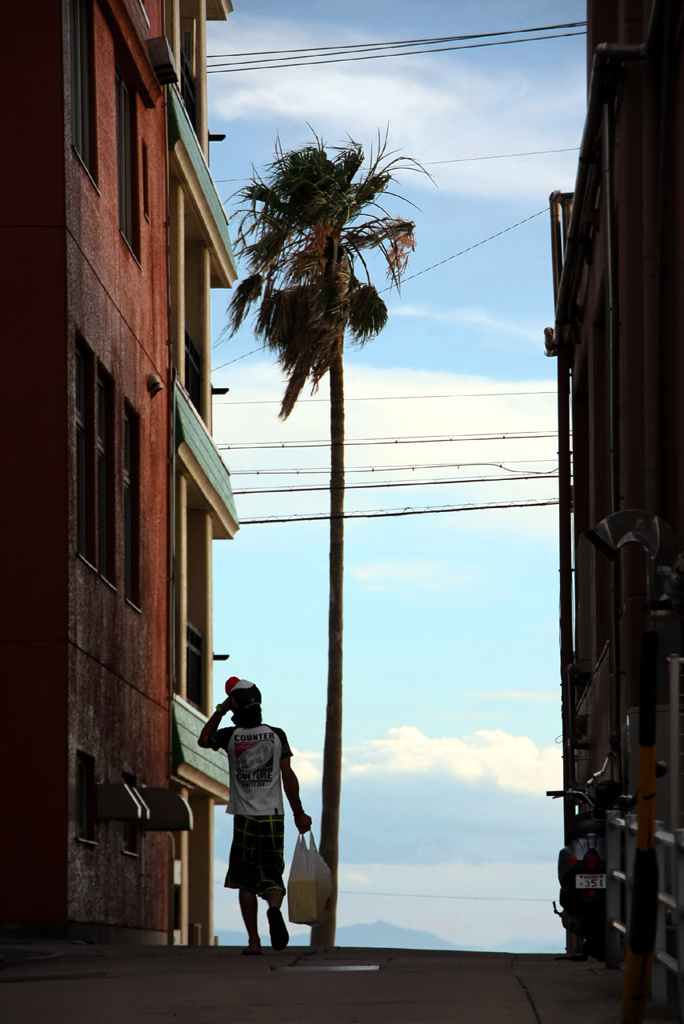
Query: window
(145, 183)
(194, 665)
(187, 81)
(193, 372)
(85, 797)
(105, 468)
(80, 25)
(83, 422)
(131, 484)
(125, 158)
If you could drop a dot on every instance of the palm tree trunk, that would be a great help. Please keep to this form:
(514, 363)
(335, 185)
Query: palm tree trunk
(323, 934)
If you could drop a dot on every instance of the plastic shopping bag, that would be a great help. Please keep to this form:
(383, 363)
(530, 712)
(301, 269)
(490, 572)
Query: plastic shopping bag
(309, 887)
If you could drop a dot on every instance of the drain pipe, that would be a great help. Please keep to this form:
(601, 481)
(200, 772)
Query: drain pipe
(611, 307)
(559, 204)
(661, 25)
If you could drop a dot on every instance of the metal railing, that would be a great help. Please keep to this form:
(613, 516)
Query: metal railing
(668, 956)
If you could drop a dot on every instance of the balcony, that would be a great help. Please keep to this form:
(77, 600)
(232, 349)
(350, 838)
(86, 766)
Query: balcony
(209, 486)
(207, 218)
(191, 763)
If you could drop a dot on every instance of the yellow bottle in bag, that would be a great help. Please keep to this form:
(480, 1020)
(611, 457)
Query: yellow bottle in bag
(309, 886)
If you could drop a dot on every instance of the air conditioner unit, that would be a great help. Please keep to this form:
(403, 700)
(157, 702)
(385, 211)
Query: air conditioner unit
(162, 59)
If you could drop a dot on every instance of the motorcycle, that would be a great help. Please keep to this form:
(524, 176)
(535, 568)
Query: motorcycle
(582, 863)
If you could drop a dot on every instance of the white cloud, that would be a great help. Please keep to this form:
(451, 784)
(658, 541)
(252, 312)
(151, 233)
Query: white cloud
(415, 575)
(429, 104)
(538, 696)
(472, 318)
(489, 756)
(308, 766)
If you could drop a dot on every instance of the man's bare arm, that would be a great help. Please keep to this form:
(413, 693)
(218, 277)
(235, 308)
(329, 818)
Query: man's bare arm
(291, 787)
(212, 725)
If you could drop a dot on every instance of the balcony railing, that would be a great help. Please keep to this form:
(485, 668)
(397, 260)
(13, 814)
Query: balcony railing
(188, 90)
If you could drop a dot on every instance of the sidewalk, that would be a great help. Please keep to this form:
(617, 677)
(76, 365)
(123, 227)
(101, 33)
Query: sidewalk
(60, 983)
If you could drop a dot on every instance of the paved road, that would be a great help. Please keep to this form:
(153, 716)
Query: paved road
(216, 985)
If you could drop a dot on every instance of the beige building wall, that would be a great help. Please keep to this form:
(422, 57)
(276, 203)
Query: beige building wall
(196, 262)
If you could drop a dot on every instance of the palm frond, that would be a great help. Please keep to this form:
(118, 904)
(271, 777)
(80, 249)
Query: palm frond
(246, 294)
(367, 313)
(306, 220)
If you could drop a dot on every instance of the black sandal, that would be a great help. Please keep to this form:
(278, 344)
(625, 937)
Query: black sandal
(276, 926)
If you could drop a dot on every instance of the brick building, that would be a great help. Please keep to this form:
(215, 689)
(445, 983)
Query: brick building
(112, 235)
(618, 261)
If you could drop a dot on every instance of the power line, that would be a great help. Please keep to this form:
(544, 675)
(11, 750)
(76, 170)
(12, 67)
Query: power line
(237, 358)
(383, 484)
(325, 471)
(275, 63)
(228, 70)
(453, 160)
(397, 42)
(441, 896)
(394, 513)
(496, 156)
(469, 248)
(519, 435)
(397, 398)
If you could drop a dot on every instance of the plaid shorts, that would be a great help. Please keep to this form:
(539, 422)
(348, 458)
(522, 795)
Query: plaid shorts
(256, 856)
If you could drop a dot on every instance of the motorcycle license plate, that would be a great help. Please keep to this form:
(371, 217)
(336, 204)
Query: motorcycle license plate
(590, 881)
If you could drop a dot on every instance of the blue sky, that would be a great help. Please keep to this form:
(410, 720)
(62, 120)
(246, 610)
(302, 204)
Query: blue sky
(451, 619)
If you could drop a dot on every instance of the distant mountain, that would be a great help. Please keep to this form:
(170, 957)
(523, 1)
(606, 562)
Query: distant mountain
(523, 945)
(380, 935)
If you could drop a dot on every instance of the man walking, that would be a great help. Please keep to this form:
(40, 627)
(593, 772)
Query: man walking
(259, 766)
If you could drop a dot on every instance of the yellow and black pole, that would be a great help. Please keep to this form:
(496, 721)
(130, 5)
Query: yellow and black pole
(642, 924)
(662, 548)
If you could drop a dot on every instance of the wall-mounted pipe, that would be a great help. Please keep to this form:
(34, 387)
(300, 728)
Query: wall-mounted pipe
(660, 28)
(612, 326)
(558, 202)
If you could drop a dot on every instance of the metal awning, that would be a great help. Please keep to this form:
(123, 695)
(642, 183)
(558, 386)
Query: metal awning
(154, 808)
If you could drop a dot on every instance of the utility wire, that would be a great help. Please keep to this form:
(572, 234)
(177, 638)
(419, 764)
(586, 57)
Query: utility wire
(325, 471)
(275, 63)
(394, 513)
(520, 435)
(470, 248)
(409, 278)
(397, 398)
(452, 160)
(496, 156)
(397, 42)
(441, 896)
(398, 483)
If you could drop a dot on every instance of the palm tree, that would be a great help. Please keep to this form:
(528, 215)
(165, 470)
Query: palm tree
(306, 226)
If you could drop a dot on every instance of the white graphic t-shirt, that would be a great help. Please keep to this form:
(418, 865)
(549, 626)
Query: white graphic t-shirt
(254, 757)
